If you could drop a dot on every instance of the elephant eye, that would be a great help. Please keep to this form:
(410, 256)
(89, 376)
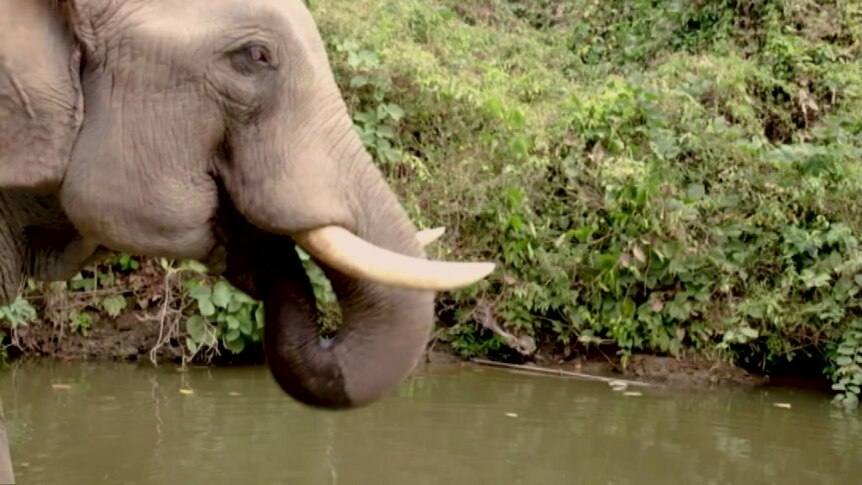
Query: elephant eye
(258, 53)
(251, 59)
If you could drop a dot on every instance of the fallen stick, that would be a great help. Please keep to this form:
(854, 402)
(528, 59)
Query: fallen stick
(560, 372)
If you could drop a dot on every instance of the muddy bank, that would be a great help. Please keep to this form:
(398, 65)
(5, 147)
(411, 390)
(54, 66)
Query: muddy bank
(131, 337)
(123, 338)
(688, 372)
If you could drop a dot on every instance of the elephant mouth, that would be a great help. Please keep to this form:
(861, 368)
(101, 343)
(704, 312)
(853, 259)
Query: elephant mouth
(353, 256)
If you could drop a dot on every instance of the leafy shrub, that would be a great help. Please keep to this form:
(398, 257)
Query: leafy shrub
(223, 314)
(847, 360)
(19, 313)
(668, 176)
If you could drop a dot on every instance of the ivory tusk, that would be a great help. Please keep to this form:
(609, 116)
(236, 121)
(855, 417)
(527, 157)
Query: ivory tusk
(428, 236)
(357, 258)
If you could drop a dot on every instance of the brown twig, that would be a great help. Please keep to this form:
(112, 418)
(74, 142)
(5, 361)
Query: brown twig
(560, 372)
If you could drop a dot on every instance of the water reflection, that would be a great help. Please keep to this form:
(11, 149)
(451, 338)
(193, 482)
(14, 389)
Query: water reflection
(126, 424)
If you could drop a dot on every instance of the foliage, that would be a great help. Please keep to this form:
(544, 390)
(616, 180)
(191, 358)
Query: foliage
(201, 312)
(327, 302)
(81, 323)
(19, 313)
(224, 314)
(847, 360)
(373, 116)
(669, 176)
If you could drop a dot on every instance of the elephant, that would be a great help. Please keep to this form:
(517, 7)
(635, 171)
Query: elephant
(213, 130)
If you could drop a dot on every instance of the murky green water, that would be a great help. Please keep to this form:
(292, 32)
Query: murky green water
(129, 424)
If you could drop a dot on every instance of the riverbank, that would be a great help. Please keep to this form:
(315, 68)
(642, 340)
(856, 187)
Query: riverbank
(129, 338)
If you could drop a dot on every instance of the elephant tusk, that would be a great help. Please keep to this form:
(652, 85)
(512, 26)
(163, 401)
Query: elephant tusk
(428, 236)
(357, 258)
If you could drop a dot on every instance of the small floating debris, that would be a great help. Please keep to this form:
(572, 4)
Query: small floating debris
(633, 394)
(618, 386)
(512, 415)
(234, 394)
(186, 391)
(782, 405)
(61, 386)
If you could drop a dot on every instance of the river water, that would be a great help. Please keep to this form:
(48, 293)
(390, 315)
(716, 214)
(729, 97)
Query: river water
(94, 423)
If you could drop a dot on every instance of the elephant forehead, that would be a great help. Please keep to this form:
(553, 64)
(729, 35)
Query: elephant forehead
(190, 21)
(187, 34)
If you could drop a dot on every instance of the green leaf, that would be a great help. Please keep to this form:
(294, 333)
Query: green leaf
(233, 323)
(206, 307)
(196, 328)
(192, 345)
(79, 283)
(519, 146)
(815, 280)
(246, 326)
(696, 191)
(358, 81)
(843, 361)
(114, 305)
(210, 339)
(235, 305)
(385, 131)
(221, 294)
(395, 112)
(606, 261)
(19, 313)
(749, 332)
(241, 297)
(628, 308)
(259, 316)
(235, 346)
(201, 292)
(105, 279)
(303, 256)
(195, 266)
(232, 335)
(846, 350)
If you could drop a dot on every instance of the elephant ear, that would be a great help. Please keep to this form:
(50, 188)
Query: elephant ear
(41, 106)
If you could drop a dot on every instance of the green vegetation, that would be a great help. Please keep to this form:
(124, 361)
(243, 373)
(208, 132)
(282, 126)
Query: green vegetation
(665, 176)
(223, 314)
(672, 177)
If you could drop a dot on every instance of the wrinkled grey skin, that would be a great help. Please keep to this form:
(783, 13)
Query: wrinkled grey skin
(190, 129)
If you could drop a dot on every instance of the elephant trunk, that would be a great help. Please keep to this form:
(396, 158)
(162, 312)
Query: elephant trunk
(385, 327)
(379, 342)
(382, 336)
(324, 193)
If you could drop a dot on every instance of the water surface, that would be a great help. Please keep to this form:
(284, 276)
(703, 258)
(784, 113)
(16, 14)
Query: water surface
(131, 424)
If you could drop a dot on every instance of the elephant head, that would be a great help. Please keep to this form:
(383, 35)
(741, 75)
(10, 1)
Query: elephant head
(200, 128)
